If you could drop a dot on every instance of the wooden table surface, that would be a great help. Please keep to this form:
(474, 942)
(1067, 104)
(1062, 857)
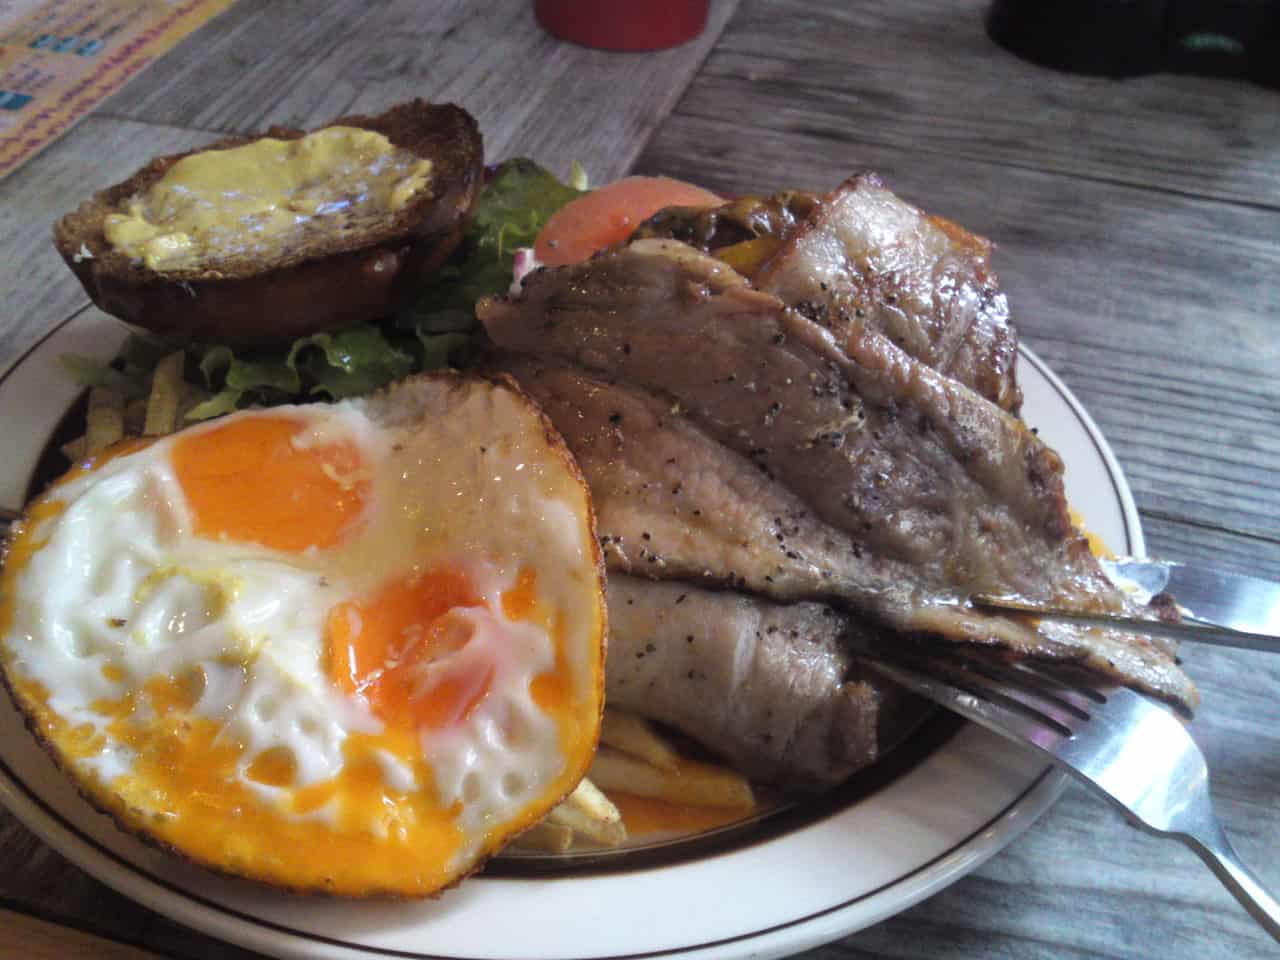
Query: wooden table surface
(1138, 225)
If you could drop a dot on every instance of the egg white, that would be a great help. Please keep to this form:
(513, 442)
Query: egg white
(123, 590)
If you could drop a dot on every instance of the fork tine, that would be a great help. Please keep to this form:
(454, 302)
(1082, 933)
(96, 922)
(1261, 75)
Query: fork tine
(996, 677)
(1075, 694)
(1029, 691)
(976, 702)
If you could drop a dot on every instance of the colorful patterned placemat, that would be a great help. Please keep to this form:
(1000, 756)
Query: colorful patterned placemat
(60, 58)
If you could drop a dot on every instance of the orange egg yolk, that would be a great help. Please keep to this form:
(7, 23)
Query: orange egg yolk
(1097, 546)
(392, 650)
(258, 480)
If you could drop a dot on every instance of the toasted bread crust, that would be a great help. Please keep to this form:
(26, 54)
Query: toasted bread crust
(317, 286)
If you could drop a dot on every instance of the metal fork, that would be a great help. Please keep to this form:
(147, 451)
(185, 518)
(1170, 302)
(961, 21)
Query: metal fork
(1133, 751)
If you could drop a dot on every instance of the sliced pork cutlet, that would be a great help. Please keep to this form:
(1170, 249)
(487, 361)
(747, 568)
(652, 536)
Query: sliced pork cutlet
(769, 687)
(942, 493)
(865, 257)
(672, 503)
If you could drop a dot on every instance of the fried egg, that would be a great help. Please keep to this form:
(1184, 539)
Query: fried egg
(350, 648)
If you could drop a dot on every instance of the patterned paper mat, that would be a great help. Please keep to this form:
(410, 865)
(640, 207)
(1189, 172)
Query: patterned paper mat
(60, 58)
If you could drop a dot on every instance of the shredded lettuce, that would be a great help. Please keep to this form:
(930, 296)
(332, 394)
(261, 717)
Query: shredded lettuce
(437, 330)
(129, 374)
(578, 177)
(222, 402)
(89, 372)
(328, 365)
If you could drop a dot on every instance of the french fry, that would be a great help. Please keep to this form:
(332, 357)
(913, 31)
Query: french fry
(104, 423)
(135, 416)
(545, 837)
(635, 735)
(166, 394)
(76, 449)
(697, 785)
(590, 814)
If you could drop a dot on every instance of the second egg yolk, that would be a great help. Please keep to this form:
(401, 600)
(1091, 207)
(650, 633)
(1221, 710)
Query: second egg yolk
(383, 648)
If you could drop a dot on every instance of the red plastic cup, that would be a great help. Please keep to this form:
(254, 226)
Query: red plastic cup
(628, 25)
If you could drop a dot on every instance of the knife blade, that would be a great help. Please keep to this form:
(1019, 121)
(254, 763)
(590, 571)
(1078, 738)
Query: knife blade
(1214, 597)
(1228, 609)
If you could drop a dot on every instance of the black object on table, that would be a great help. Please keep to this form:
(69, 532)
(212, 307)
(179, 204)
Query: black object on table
(1129, 37)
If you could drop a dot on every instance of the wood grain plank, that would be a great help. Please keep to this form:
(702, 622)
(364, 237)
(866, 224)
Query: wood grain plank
(39, 289)
(50, 886)
(228, 75)
(59, 893)
(923, 77)
(1189, 543)
(303, 64)
(1156, 309)
(34, 939)
(1190, 448)
(181, 942)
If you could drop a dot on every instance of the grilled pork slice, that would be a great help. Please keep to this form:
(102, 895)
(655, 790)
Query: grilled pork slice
(940, 493)
(865, 257)
(672, 503)
(769, 687)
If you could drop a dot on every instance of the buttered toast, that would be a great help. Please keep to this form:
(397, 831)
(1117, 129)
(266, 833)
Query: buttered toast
(266, 238)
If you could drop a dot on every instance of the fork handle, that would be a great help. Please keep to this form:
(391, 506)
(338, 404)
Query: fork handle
(1216, 851)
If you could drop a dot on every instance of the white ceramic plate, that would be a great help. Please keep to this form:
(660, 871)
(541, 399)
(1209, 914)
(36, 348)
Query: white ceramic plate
(756, 894)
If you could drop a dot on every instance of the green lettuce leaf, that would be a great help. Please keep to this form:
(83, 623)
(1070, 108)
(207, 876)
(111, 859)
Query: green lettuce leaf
(515, 205)
(221, 368)
(349, 363)
(222, 402)
(518, 201)
(443, 350)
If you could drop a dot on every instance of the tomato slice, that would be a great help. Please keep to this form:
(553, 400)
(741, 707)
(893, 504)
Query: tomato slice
(610, 214)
